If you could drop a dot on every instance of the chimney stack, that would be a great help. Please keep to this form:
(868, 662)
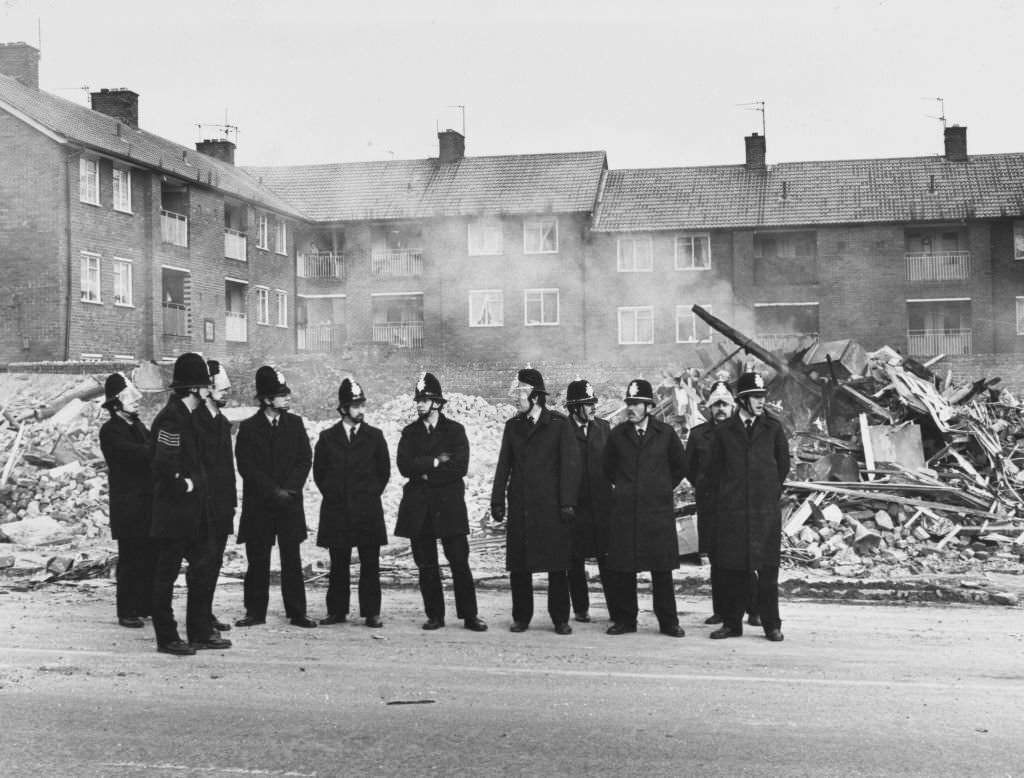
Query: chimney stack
(755, 151)
(451, 147)
(218, 148)
(956, 143)
(120, 104)
(20, 61)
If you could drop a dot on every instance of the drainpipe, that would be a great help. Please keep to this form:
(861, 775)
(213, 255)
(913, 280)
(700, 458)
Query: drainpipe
(74, 154)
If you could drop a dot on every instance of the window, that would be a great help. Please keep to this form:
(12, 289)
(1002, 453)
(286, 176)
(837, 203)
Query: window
(89, 181)
(486, 308)
(262, 305)
(90, 277)
(540, 236)
(281, 297)
(261, 231)
(636, 325)
(690, 328)
(484, 237)
(693, 252)
(1018, 240)
(636, 255)
(786, 257)
(786, 327)
(122, 190)
(280, 237)
(122, 282)
(541, 307)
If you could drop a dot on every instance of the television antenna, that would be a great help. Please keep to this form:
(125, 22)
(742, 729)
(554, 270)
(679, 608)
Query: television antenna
(757, 105)
(942, 110)
(229, 131)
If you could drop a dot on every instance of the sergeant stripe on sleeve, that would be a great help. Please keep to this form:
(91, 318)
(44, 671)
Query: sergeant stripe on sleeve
(171, 439)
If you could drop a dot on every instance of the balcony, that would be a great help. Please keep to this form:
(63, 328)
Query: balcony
(321, 338)
(928, 343)
(786, 342)
(400, 262)
(330, 266)
(234, 244)
(173, 228)
(402, 335)
(175, 319)
(235, 329)
(949, 266)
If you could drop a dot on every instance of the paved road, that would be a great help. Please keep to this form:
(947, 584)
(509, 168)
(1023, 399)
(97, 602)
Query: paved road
(854, 690)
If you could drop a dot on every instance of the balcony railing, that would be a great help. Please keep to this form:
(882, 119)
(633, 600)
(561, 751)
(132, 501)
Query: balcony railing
(175, 319)
(234, 244)
(321, 338)
(235, 329)
(949, 266)
(401, 262)
(927, 343)
(321, 266)
(786, 341)
(404, 335)
(173, 228)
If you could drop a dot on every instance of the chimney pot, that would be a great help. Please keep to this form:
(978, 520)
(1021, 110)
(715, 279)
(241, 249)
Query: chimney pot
(451, 147)
(20, 61)
(218, 148)
(756, 151)
(955, 137)
(120, 104)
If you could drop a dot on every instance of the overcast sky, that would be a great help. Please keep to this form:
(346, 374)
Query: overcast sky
(655, 84)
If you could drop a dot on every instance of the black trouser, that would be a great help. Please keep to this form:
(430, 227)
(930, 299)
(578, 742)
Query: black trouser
(456, 551)
(624, 607)
(716, 605)
(340, 580)
(136, 567)
(579, 587)
(734, 591)
(218, 542)
(522, 596)
(257, 579)
(168, 565)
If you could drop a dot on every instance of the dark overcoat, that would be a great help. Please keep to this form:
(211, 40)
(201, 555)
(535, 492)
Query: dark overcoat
(643, 535)
(594, 505)
(219, 462)
(438, 492)
(268, 460)
(177, 513)
(351, 477)
(698, 448)
(746, 473)
(538, 471)
(126, 447)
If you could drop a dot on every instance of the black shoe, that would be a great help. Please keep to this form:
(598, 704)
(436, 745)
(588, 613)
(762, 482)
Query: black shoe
(433, 623)
(302, 621)
(519, 626)
(221, 626)
(713, 619)
(618, 628)
(563, 628)
(212, 643)
(583, 618)
(374, 621)
(725, 632)
(475, 623)
(673, 631)
(131, 621)
(250, 621)
(774, 635)
(754, 620)
(176, 647)
(330, 618)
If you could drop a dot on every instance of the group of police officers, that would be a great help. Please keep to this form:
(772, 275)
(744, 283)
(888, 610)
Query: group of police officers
(568, 487)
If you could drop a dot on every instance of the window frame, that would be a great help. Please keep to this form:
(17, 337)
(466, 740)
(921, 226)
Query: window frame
(129, 266)
(1018, 230)
(262, 231)
(1020, 315)
(83, 177)
(501, 301)
(281, 306)
(126, 195)
(542, 291)
(539, 223)
(262, 305)
(634, 309)
(634, 241)
(485, 224)
(691, 237)
(85, 259)
(695, 320)
(281, 237)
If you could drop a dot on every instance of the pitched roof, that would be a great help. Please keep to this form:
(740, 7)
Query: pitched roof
(809, 193)
(107, 135)
(424, 188)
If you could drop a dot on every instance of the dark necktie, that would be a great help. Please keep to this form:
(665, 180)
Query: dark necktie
(750, 426)
(273, 423)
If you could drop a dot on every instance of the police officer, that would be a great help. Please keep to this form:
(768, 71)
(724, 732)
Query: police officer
(747, 466)
(538, 472)
(125, 443)
(433, 453)
(274, 458)
(351, 467)
(593, 507)
(180, 518)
